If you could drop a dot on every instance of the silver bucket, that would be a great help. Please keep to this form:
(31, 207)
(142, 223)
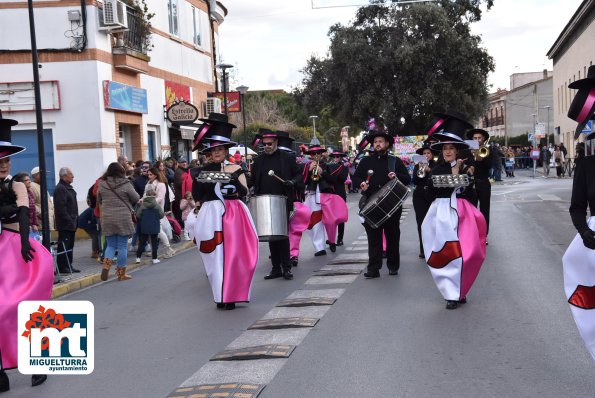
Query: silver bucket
(269, 213)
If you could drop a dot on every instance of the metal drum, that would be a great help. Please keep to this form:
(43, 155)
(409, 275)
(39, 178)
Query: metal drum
(384, 203)
(269, 213)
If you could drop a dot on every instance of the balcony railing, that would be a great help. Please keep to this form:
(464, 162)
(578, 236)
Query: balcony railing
(137, 38)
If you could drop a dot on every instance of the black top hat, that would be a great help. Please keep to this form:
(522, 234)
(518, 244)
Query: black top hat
(314, 149)
(6, 147)
(420, 151)
(452, 130)
(582, 107)
(266, 133)
(216, 129)
(285, 141)
(435, 124)
(472, 132)
(376, 133)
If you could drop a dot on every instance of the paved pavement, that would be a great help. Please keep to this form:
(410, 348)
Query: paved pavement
(386, 337)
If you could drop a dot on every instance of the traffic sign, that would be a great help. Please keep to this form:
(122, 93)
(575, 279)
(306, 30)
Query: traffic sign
(531, 137)
(540, 129)
(588, 127)
(535, 154)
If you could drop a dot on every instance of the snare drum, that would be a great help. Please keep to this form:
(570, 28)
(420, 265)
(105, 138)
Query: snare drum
(384, 203)
(269, 213)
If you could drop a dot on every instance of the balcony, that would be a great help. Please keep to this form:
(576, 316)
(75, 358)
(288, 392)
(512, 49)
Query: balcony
(132, 46)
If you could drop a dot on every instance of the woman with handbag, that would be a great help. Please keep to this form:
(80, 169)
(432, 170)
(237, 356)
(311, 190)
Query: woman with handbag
(559, 161)
(116, 197)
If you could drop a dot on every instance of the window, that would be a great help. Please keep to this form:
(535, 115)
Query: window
(196, 25)
(172, 12)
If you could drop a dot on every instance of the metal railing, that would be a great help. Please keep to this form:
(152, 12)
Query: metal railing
(137, 36)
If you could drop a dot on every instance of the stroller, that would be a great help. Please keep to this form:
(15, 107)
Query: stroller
(176, 228)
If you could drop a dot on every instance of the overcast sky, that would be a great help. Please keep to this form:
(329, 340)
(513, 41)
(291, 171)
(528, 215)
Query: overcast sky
(269, 41)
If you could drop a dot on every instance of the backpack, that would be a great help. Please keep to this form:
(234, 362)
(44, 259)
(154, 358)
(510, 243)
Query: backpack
(92, 199)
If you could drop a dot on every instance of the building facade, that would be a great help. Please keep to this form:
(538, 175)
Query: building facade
(572, 53)
(494, 119)
(105, 85)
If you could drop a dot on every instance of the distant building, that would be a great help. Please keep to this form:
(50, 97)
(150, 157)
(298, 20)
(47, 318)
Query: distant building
(572, 53)
(494, 120)
(106, 79)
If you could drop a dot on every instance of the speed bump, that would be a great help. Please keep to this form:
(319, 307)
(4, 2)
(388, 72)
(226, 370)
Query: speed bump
(285, 323)
(267, 351)
(232, 390)
(306, 302)
(337, 272)
(349, 261)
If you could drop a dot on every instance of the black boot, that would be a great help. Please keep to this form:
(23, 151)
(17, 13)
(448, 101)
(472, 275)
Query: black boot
(333, 247)
(230, 306)
(293, 261)
(451, 304)
(4, 383)
(38, 379)
(287, 272)
(274, 274)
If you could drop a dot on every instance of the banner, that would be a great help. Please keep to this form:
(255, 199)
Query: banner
(121, 97)
(175, 92)
(233, 101)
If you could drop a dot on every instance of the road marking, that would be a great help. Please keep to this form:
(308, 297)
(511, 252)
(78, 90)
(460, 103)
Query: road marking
(548, 197)
(331, 280)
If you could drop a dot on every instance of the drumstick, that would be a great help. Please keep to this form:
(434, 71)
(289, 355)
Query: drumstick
(370, 173)
(272, 174)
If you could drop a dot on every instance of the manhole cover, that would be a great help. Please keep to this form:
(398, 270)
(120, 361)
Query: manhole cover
(284, 323)
(306, 302)
(336, 272)
(349, 261)
(256, 352)
(236, 390)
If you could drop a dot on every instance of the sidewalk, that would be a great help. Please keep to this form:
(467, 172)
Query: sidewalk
(91, 269)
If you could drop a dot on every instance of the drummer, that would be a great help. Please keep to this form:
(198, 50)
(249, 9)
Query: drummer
(385, 168)
(285, 167)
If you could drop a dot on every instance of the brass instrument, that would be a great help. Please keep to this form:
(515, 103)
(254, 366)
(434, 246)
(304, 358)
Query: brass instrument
(484, 150)
(315, 176)
(421, 170)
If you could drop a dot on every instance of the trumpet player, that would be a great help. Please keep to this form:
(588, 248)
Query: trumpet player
(315, 184)
(483, 163)
(421, 202)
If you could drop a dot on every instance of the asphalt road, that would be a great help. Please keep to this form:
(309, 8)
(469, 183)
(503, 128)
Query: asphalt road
(387, 337)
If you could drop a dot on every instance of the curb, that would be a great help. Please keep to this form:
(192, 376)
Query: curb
(89, 280)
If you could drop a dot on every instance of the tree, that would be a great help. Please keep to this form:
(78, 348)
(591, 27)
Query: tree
(401, 62)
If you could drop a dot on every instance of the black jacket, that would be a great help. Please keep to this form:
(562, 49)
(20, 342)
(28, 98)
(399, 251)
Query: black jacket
(380, 166)
(583, 193)
(284, 165)
(65, 207)
(336, 177)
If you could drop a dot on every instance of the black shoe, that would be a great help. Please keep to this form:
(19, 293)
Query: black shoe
(372, 274)
(463, 300)
(421, 255)
(339, 243)
(293, 261)
(230, 306)
(220, 305)
(333, 247)
(320, 253)
(4, 383)
(393, 272)
(451, 304)
(274, 274)
(68, 271)
(38, 379)
(287, 274)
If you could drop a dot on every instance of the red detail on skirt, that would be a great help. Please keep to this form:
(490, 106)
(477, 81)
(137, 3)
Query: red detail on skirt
(583, 297)
(450, 252)
(315, 218)
(208, 246)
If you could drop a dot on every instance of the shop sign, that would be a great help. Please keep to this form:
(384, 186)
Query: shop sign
(182, 113)
(121, 97)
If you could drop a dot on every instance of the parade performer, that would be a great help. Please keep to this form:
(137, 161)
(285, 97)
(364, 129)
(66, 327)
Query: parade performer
(384, 167)
(284, 168)
(315, 185)
(26, 270)
(300, 215)
(453, 231)
(224, 231)
(334, 203)
(482, 165)
(421, 203)
(579, 259)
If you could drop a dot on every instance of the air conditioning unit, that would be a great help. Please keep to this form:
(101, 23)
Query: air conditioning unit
(213, 105)
(114, 16)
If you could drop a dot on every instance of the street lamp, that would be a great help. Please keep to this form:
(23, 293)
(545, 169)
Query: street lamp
(243, 90)
(224, 68)
(534, 142)
(547, 133)
(314, 140)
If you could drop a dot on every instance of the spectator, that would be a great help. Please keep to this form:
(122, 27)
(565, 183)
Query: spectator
(123, 160)
(167, 172)
(178, 182)
(545, 156)
(116, 198)
(141, 180)
(187, 205)
(66, 213)
(149, 216)
(558, 161)
(36, 189)
(33, 227)
(157, 182)
(88, 223)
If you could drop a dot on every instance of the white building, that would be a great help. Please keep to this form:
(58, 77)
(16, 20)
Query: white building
(104, 88)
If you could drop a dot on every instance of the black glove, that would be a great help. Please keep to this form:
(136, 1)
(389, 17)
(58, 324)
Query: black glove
(26, 249)
(288, 184)
(588, 239)
(8, 210)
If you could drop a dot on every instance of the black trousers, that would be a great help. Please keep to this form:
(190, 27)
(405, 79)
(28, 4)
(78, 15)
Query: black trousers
(142, 242)
(421, 206)
(341, 233)
(392, 231)
(484, 194)
(279, 253)
(65, 244)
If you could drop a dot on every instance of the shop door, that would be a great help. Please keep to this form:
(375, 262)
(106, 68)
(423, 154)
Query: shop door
(26, 160)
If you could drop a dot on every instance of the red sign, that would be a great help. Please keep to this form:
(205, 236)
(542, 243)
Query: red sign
(535, 154)
(233, 101)
(176, 92)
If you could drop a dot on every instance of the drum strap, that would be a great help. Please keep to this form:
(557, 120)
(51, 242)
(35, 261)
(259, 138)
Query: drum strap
(392, 163)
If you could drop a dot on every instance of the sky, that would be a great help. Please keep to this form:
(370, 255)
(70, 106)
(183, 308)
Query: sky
(270, 41)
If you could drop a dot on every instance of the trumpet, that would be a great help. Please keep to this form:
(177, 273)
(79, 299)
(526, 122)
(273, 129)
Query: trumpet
(421, 170)
(315, 176)
(484, 150)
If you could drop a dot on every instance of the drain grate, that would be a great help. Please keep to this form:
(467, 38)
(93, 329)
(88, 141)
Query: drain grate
(232, 390)
(306, 302)
(284, 323)
(337, 272)
(349, 261)
(257, 352)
